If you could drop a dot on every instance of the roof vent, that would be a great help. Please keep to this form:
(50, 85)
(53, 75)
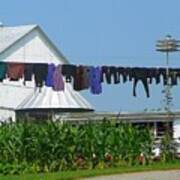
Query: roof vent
(1, 24)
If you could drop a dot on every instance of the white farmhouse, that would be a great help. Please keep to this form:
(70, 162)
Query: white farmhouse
(29, 44)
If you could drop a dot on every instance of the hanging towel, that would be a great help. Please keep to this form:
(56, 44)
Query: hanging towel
(3, 69)
(58, 83)
(95, 80)
(15, 71)
(40, 73)
(49, 79)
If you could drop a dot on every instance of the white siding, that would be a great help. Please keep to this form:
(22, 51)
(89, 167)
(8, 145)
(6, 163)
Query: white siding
(34, 48)
(6, 114)
(176, 129)
(13, 93)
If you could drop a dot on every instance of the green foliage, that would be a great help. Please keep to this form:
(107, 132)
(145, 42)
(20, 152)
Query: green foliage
(168, 149)
(33, 147)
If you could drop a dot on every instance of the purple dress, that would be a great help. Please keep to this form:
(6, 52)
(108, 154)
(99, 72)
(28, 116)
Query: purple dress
(58, 83)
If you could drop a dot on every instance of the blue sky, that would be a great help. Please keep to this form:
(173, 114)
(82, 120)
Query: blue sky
(100, 32)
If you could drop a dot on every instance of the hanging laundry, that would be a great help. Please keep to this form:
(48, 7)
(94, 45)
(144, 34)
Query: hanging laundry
(124, 73)
(86, 77)
(140, 74)
(49, 79)
(173, 77)
(69, 71)
(81, 79)
(78, 79)
(3, 70)
(163, 73)
(177, 73)
(15, 71)
(154, 73)
(108, 72)
(95, 80)
(58, 83)
(129, 72)
(28, 72)
(40, 73)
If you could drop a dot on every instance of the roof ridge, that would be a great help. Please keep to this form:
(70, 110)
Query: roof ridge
(10, 36)
(19, 26)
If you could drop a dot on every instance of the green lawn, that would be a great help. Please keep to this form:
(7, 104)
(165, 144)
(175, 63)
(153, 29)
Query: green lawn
(89, 173)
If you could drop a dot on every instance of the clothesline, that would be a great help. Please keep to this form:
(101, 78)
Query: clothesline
(86, 77)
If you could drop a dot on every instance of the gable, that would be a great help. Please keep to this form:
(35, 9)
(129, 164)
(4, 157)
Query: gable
(10, 35)
(35, 47)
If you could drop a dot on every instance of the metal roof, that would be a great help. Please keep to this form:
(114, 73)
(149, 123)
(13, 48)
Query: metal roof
(16, 96)
(10, 35)
(142, 117)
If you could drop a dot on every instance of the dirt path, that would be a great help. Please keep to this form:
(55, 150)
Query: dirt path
(152, 175)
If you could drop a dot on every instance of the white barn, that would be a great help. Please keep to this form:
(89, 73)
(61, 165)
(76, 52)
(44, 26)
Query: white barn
(29, 44)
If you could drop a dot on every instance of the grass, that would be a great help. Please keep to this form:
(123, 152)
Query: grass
(90, 173)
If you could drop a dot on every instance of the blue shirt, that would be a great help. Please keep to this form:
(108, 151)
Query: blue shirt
(95, 80)
(49, 79)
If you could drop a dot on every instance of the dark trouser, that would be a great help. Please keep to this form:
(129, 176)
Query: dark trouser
(145, 84)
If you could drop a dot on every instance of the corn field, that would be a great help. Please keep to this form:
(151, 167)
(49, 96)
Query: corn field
(33, 147)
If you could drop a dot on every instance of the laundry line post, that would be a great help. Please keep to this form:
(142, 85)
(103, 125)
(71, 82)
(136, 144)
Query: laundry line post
(168, 45)
(168, 85)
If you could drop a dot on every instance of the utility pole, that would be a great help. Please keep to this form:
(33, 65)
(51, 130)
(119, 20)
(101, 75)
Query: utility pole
(168, 45)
